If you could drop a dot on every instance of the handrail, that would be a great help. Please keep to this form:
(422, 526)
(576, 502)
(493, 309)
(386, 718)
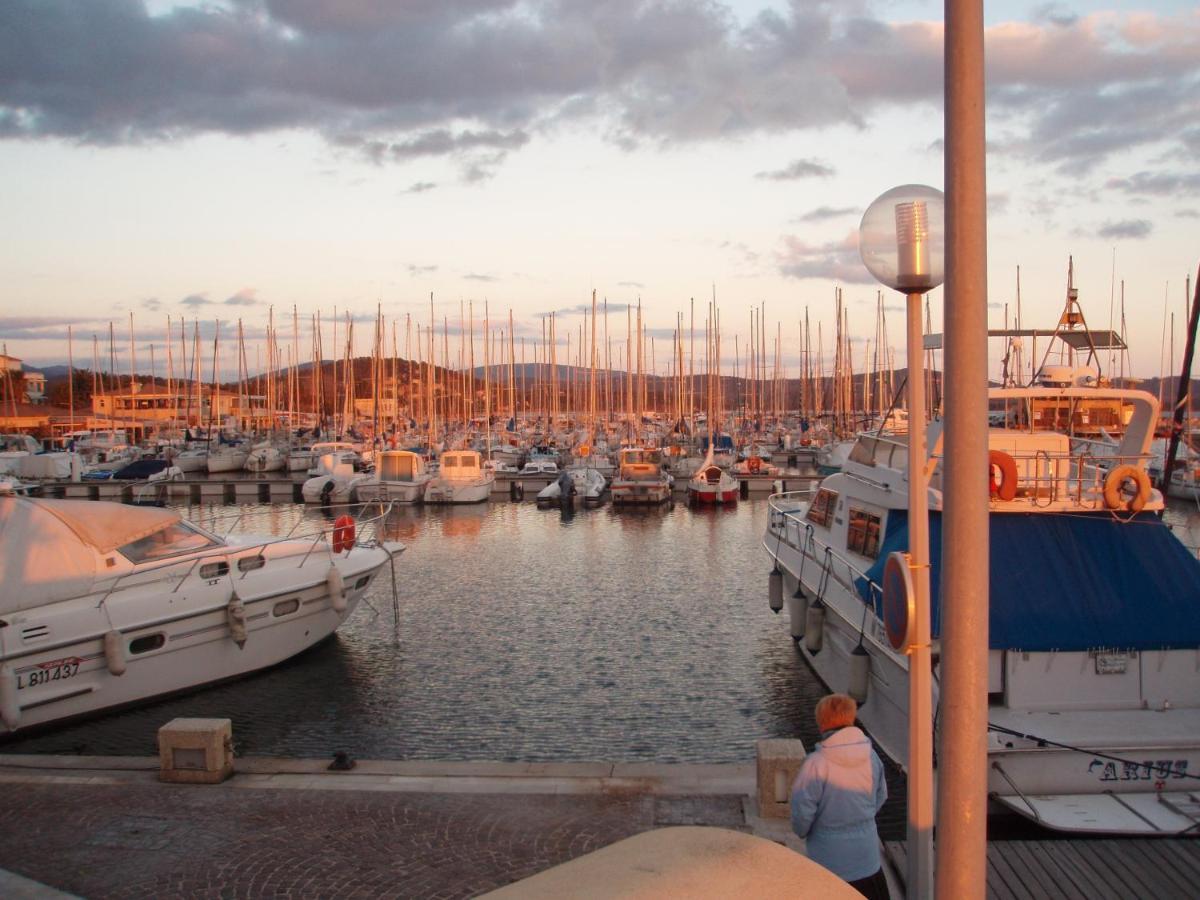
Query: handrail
(810, 549)
(229, 552)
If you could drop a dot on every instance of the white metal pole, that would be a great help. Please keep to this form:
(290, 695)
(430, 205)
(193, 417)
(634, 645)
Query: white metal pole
(920, 687)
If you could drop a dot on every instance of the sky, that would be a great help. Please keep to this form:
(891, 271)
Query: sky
(216, 160)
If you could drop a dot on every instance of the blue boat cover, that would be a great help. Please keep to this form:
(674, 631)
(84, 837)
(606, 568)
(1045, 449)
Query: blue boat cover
(1073, 581)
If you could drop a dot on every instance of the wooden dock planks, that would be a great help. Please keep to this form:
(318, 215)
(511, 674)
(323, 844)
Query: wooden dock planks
(1085, 869)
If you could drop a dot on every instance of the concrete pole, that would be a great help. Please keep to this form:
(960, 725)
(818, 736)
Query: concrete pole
(962, 787)
(920, 679)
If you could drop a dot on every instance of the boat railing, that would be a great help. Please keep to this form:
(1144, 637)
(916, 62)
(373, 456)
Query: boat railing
(1046, 478)
(247, 558)
(789, 528)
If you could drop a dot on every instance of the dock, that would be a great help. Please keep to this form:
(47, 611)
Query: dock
(285, 489)
(1080, 868)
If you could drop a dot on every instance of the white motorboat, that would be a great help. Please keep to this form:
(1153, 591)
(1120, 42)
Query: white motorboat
(13, 449)
(400, 476)
(640, 478)
(105, 604)
(342, 451)
(461, 478)
(1094, 690)
(336, 481)
(582, 482)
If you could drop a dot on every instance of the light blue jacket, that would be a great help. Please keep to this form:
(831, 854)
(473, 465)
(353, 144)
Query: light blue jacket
(834, 800)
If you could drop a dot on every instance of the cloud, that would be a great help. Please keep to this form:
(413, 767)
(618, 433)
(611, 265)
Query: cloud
(416, 271)
(244, 297)
(473, 81)
(801, 168)
(153, 304)
(420, 187)
(836, 260)
(476, 276)
(1055, 14)
(1187, 214)
(1132, 229)
(631, 284)
(195, 300)
(1157, 184)
(825, 213)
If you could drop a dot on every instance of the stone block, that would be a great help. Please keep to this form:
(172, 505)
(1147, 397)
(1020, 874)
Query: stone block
(779, 762)
(195, 751)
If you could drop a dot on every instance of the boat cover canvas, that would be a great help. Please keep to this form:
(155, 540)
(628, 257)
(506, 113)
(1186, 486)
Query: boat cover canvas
(1073, 582)
(41, 559)
(107, 526)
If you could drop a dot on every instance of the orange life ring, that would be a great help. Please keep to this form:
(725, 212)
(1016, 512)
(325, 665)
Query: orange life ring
(343, 533)
(1114, 488)
(1001, 464)
(754, 464)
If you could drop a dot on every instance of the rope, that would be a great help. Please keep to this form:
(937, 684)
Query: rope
(1046, 742)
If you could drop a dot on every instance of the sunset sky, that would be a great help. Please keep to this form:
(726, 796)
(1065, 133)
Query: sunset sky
(211, 160)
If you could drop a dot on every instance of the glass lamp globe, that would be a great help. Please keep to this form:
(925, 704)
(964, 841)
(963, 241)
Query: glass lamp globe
(902, 238)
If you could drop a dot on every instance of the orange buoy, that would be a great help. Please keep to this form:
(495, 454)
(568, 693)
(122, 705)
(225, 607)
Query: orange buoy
(1114, 488)
(1002, 483)
(343, 533)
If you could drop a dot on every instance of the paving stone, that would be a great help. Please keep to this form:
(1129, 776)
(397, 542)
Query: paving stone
(156, 840)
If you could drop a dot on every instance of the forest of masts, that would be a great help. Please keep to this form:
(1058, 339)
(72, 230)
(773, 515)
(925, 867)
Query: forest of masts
(480, 371)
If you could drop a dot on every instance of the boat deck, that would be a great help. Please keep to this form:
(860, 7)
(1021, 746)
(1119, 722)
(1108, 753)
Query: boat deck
(1084, 869)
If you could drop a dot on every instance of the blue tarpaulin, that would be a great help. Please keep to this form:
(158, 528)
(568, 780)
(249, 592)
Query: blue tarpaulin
(1074, 581)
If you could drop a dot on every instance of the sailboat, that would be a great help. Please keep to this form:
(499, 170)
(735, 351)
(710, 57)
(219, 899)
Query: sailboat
(711, 483)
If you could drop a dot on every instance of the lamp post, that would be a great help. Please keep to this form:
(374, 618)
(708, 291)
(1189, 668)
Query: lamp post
(901, 242)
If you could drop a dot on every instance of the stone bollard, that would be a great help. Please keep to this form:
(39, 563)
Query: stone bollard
(779, 762)
(195, 751)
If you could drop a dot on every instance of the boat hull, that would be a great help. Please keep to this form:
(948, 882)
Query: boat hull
(72, 678)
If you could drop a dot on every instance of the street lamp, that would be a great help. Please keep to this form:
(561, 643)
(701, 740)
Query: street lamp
(902, 243)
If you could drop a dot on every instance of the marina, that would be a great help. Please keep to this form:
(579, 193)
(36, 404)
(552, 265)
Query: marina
(500, 450)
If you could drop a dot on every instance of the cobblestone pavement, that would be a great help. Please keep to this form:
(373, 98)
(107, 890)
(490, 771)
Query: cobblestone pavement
(163, 841)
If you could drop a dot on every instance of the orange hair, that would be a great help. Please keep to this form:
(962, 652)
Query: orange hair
(835, 711)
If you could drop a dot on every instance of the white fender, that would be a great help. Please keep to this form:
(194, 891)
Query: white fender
(114, 652)
(10, 706)
(775, 590)
(337, 589)
(235, 612)
(860, 672)
(814, 627)
(797, 606)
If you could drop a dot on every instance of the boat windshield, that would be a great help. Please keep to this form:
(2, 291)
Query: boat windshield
(177, 538)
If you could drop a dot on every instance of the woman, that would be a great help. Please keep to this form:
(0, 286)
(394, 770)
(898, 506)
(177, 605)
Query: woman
(836, 795)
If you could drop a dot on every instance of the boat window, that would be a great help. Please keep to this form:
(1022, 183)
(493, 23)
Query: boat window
(214, 570)
(250, 563)
(862, 535)
(147, 642)
(820, 511)
(450, 461)
(286, 607)
(173, 540)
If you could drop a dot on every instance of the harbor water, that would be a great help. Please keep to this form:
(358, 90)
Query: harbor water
(522, 634)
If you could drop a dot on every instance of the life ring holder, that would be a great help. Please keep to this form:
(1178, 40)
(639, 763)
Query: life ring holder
(1003, 465)
(754, 464)
(343, 533)
(1114, 489)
